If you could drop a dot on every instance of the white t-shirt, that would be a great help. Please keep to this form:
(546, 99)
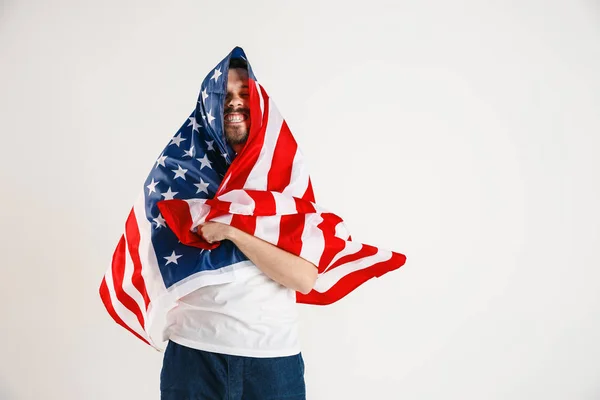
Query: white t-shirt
(251, 316)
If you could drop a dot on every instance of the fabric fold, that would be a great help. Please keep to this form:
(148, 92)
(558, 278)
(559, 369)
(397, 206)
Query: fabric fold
(264, 190)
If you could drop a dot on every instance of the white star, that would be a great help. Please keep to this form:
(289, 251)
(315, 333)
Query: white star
(179, 172)
(160, 221)
(169, 195)
(202, 186)
(210, 144)
(204, 162)
(152, 187)
(195, 123)
(177, 139)
(216, 74)
(189, 152)
(172, 258)
(161, 161)
(210, 117)
(204, 95)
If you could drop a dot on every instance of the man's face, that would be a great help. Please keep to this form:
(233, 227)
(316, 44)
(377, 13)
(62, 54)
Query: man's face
(237, 109)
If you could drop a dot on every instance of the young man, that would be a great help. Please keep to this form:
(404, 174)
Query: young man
(239, 340)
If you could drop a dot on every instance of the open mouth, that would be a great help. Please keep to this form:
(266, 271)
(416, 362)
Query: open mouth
(235, 118)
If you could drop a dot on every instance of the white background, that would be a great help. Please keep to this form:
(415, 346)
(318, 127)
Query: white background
(463, 134)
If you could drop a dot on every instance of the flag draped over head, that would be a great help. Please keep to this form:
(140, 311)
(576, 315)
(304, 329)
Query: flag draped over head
(265, 190)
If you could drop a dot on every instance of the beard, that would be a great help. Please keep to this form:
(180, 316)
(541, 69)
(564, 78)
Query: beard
(236, 134)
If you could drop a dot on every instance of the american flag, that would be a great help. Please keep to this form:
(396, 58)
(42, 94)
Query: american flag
(265, 190)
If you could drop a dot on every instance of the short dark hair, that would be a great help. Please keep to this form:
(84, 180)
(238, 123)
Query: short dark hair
(238, 63)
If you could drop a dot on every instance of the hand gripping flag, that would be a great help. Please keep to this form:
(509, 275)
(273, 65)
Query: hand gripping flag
(265, 190)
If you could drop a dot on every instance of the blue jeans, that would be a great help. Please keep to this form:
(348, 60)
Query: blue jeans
(197, 374)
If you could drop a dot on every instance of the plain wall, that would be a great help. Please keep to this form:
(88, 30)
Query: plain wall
(462, 134)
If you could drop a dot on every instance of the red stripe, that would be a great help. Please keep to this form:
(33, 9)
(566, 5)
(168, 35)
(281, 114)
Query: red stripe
(290, 231)
(333, 244)
(177, 216)
(264, 202)
(217, 208)
(133, 244)
(105, 296)
(118, 272)
(352, 280)
(260, 196)
(309, 194)
(365, 251)
(280, 173)
(245, 223)
(304, 206)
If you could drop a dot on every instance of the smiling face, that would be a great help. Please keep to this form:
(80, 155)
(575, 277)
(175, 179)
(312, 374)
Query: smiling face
(237, 109)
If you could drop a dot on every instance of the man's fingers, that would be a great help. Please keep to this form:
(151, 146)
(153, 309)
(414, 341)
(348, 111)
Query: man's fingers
(201, 232)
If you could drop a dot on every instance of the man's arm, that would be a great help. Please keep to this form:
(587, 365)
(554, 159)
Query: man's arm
(280, 265)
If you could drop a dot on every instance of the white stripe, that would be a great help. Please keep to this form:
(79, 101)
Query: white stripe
(328, 279)
(349, 248)
(128, 282)
(284, 204)
(342, 231)
(241, 202)
(267, 228)
(257, 179)
(129, 318)
(262, 100)
(155, 286)
(299, 177)
(225, 219)
(198, 211)
(313, 242)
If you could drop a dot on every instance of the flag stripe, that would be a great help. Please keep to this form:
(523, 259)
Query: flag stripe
(259, 173)
(128, 286)
(313, 241)
(280, 174)
(132, 234)
(123, 305)
(335, 285)
(118, 273)
(154, 287)
(105, 296)
(299, 178)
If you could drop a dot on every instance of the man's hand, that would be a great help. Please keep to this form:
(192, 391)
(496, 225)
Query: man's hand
(213, 231)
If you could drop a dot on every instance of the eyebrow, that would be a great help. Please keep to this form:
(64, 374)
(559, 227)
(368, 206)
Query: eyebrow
(242, 87)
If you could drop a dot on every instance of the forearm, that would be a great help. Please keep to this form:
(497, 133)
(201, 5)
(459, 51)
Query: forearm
(280, 265)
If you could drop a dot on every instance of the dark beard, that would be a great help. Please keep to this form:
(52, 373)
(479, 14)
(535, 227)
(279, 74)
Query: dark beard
(236, 135)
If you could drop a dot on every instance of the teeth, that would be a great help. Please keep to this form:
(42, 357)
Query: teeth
(235, 118)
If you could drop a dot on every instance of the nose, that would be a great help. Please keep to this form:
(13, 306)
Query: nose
(234, 101)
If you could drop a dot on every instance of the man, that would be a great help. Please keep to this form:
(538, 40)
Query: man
(239, 340)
